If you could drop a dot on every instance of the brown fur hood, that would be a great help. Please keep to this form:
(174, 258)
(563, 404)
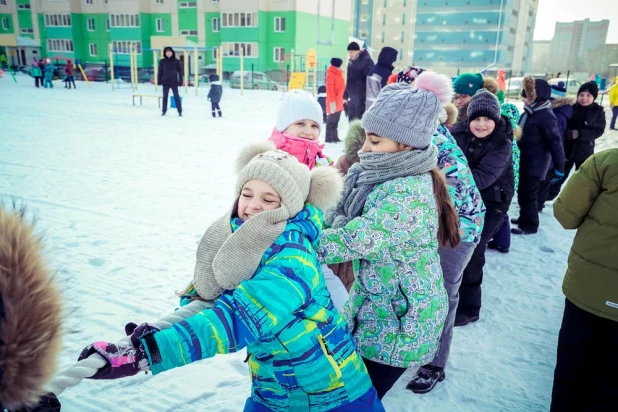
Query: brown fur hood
(491, 85)
(530, 88)
(562, 101)
(30, 314)
(448, 115)
(354, 141)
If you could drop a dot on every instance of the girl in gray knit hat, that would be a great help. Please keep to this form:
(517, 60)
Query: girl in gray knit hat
(258, 266)
(394, 214)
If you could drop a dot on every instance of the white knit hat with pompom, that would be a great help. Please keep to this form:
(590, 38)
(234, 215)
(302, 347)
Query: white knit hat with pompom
(409, 114)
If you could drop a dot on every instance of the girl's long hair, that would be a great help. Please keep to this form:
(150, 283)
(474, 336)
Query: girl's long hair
(448, 230)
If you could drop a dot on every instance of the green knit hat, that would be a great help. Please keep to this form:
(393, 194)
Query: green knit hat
(468, 83)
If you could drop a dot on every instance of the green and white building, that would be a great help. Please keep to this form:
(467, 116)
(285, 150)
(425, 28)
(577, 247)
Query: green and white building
(83, 29)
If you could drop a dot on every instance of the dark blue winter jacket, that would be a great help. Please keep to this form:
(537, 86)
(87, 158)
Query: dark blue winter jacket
(358, 70)
(216, 90)
(563, 110)
(540, 144)
(378, 76)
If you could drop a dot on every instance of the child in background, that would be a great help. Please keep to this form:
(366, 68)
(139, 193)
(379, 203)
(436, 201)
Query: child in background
(215, 93)
(394, 214)
(49, 74)
(259, 267)
(335, 88)
(322, 101)
(297, 130)
(35, 71)
(70, 75)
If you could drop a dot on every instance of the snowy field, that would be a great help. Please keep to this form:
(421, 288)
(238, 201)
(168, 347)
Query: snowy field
(123, 195)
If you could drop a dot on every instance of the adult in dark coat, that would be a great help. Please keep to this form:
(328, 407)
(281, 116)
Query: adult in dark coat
(215, 93)
(491, 160)
(379, 74)
(170, 77)
(540, 145)
(356, 87)
(562, 106)
(583, 129)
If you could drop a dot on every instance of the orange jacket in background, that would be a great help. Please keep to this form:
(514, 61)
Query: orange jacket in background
(335, 87)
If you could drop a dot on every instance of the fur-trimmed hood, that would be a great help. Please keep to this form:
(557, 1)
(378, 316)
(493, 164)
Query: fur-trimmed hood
(448, 116)
(491, 85)
(562, 101)
(30, 314)
(354, 141)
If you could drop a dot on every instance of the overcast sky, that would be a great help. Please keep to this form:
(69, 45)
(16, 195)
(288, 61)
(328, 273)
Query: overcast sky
(551, 11)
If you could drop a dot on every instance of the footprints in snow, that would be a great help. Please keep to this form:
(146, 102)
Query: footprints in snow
(546, 249)
(96, 262)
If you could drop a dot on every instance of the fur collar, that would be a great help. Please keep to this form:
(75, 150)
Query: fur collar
(562, 101)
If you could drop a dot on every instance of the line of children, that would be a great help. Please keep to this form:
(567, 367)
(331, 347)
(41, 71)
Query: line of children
(259, 267)
(215, 93)
(394, 214)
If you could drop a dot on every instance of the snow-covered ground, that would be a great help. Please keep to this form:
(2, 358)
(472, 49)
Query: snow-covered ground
(123, 195)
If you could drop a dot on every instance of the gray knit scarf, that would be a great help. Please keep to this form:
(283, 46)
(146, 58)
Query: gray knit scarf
(530, 110)
(374, 169)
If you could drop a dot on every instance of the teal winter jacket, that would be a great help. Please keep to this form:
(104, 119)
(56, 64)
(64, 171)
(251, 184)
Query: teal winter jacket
(301, 355)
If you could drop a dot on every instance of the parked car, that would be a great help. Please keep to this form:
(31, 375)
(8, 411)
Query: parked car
(572, 86)
(258, 81)
(514, 86)
(93, 74)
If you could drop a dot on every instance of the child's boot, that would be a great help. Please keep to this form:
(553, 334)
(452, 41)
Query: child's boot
(214, 114)
(220, 113)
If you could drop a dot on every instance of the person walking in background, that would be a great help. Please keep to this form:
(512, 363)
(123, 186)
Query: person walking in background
(379, 74)
(322, 101)
(36, 73)
(613, 102)
(465, 85)
(214, 95)
(69, 71)
(541, 146)
(589, 203)
(358, 70)
(49, 74)
(170, 77)
(335, 87)
(586, 125)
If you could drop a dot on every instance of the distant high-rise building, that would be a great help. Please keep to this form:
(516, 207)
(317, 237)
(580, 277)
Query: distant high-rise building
(541, 51)
(577, 45)
(470, 35)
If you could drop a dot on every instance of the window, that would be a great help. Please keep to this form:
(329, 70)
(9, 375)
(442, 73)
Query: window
(279, 24)
(93, 49)
(2, 2)
(57, 20)
(23, 6)
(188, 32)
(403, 19)
(215, 1)
(159, 1)
(124, 47)
(400, 54)
(382, 37)
(402, 34)
(124, 20)
(363, 35)
(384, 19)
(160, 25)
(59, 45)
(90, 24)
(107, 24)
(364, 17)
(233, 49)
(26, 31)
(5, 24)
(216, 24)
(279, 54)
(90, 2)
(214, 52)
(187, 5)
(240, 20)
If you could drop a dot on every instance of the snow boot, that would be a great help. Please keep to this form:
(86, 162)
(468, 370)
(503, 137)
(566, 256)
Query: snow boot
(220, 115)
(515, 221)
(492, 245)
(520, 231)
(463, 320)
(214, 114)
(426, 379)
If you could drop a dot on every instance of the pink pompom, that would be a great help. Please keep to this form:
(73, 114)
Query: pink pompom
(437, 84)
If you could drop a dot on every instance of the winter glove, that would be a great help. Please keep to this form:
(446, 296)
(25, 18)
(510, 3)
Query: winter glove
(136, 332)
(558, 175)
(572, 134)
(122, 361)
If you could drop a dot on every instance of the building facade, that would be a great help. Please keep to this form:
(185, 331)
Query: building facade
(578, 46)
(450, 35)
(267, 30)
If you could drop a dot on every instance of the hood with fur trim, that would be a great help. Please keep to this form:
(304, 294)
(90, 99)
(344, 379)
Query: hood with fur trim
(491, 85)
(562, 101)
(448, 116)
(354, 141)
(30, 314)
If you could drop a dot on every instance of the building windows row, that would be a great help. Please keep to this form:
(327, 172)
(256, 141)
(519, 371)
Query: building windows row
(26, 31)
(188, 32)
(59, 45)
(234, 49)
(23, 6)
(57, 20)
(124, 47)
(124, 20)
(239, 19)
(187, 5)
(2, 2)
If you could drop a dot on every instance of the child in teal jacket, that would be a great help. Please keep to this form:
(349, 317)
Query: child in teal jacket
(258, 267)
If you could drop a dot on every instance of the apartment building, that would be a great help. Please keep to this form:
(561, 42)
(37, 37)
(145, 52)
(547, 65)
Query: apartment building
(268, 30)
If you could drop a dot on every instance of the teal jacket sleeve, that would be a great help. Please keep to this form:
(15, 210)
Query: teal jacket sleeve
(258, 308)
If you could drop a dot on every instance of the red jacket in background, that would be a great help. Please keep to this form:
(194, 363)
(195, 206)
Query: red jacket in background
(68, 69)
(335, 87)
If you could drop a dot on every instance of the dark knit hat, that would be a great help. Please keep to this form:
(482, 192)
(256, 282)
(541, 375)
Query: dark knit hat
(353, 46)
(337, 62)
(590, 87)
(484, 103)
(558, 91)
(468, 83)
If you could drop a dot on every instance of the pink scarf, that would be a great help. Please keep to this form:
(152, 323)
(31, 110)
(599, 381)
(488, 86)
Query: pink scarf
(305, 150)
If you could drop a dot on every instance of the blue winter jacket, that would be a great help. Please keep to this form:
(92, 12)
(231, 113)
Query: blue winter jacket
(301, 355)
(49, 72)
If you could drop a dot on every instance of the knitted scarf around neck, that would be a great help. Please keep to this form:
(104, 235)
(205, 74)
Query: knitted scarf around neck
(530, 110)
(374, 169)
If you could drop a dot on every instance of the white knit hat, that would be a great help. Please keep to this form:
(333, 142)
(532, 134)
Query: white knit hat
(298, 105)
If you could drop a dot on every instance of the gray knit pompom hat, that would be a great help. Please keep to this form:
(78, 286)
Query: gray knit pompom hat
(409, 114)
